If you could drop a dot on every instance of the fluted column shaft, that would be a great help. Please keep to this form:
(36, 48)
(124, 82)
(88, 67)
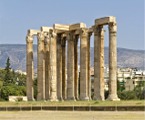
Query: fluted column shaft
(112, 63)
(70, 67)
(41, 67)
(89, 76)
(76, 67)
(64, 68)
(29, 68)
(99, 63)
(47, 82)
(59, 67)
(83, 65)
(53, 66)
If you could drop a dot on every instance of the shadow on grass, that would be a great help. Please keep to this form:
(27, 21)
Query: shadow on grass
(96, 102)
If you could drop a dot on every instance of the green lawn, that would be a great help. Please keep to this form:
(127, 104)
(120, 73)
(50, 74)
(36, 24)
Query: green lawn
(77, 103)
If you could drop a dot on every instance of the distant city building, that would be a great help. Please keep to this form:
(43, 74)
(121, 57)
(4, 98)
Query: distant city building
(132, 83)
(20, 72)
(130, 77)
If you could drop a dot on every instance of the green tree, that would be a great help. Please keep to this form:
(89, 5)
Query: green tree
(140, 90)
(127, 95)
(8, 77)
(8, 64)
(15, 90)
(120, 85)
(11, 82)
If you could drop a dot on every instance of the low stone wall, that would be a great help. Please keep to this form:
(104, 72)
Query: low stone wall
(17, 98)
(72, 108)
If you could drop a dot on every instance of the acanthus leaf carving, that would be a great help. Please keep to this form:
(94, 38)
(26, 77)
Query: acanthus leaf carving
(113, 27)
(29, 39)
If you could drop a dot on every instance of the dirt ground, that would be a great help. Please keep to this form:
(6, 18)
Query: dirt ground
(58, 115)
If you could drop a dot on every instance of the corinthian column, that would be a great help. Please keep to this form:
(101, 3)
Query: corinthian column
(70, 67)
(29, 68)
(89, 77)
(41, 68)
(99, 63)
(112, 63)
(84, 65)
(53, 66)
(47, 87)
(76, 67)
(64, 68)
(59, 67)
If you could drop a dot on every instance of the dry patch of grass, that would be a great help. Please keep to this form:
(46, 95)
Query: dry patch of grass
(61, 115)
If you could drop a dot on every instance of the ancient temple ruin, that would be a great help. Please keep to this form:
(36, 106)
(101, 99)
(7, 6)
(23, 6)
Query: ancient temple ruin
(57, 72)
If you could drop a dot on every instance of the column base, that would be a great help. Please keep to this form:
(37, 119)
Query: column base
(90, 98)
(53, 99)
(60, 99)
(77, 98)
(32, 99)
(99, 98)
(113, 98)
(71, 99)
(64, 99)
(47, 99)
(38, 99)
(84, 98)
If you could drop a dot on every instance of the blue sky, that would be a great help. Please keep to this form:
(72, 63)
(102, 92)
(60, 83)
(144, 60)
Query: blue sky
(17, 16)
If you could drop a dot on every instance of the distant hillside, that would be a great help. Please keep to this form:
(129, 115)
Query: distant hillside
(125, 57)
(17, 54)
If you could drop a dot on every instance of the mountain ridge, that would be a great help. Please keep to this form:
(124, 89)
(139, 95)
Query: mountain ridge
(17, 54)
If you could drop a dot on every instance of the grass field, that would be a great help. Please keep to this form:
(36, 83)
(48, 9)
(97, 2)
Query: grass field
(73, 115)
(57, 115)
(77, 103)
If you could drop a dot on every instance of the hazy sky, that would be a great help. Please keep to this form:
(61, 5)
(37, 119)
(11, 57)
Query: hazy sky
(17, 16)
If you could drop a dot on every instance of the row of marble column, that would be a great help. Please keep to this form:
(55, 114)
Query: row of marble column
(57, 68)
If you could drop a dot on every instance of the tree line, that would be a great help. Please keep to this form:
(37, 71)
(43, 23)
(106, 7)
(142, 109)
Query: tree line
(11, 83)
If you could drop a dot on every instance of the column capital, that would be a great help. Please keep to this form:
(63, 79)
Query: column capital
(89, 35)
(98, 29)
(40, 35)
(84, 32)
(76, 37)
(112, 27)
(70, 36)
(29, 39)
(63, 39)
(47, 38)
(63, 42)
(53, 33)
(46, 34)
(63, 36)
